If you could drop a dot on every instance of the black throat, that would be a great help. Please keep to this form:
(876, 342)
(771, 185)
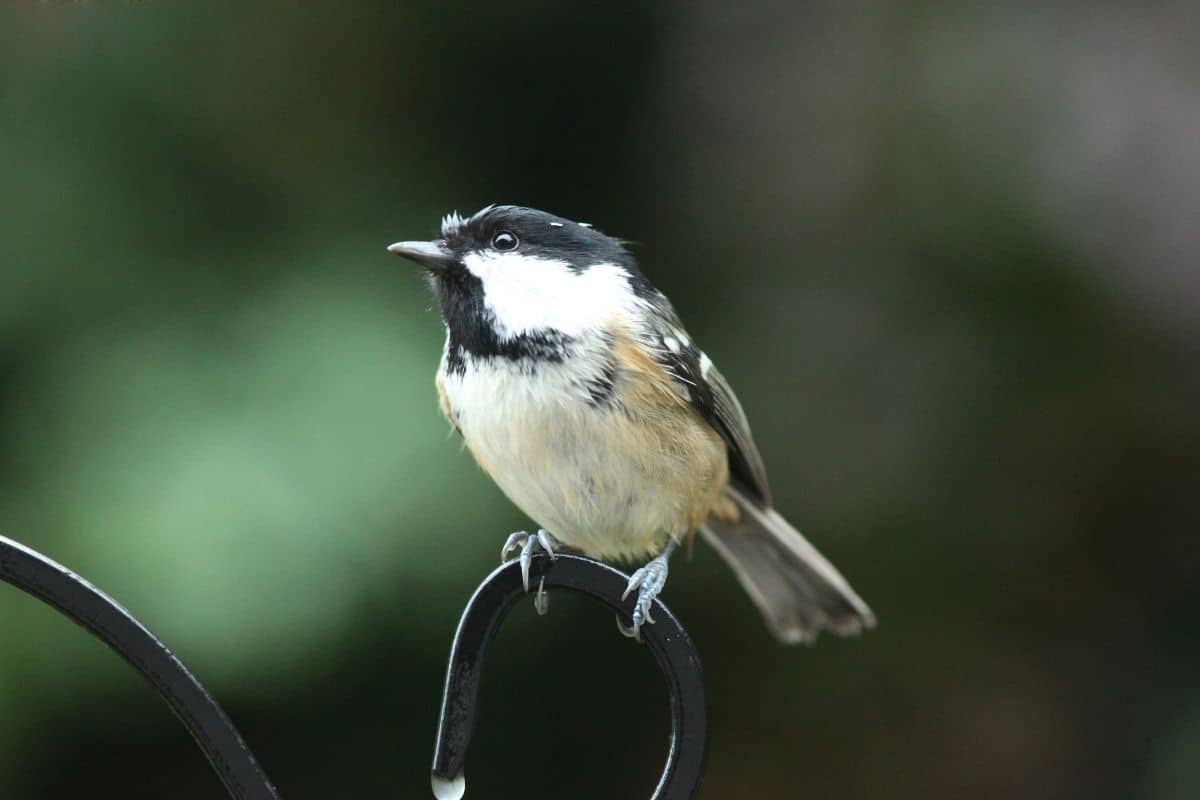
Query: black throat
(472, 329)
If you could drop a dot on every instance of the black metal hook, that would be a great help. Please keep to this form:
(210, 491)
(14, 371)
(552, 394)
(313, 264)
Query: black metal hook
(104, 618)
(486, 610)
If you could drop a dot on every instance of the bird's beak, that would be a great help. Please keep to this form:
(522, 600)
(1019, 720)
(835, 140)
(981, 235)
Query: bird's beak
(433, 256)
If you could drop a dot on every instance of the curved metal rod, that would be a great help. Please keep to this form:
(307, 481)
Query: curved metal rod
(104, 618)
(496, 596)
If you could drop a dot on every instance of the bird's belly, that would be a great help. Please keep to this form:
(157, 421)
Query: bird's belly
(598, 479)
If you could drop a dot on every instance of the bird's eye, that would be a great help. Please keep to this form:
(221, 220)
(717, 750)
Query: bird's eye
(504, 241)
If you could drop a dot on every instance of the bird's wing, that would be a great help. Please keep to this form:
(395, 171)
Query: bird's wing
(711, 395)
(730, 421)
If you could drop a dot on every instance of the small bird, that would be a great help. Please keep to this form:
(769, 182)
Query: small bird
(576, 387)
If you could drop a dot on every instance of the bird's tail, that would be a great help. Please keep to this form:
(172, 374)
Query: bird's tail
(798, 591)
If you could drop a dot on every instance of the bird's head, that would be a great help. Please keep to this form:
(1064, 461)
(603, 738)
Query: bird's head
(507, 272)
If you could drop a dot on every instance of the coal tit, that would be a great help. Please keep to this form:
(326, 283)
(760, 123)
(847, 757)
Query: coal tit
(578, 390)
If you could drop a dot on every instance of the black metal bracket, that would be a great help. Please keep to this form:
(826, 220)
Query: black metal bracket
(235, 765)
(667, 639)
(104, 618)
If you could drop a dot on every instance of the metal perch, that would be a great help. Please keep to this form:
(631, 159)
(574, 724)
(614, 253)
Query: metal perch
(670, 643)
(104, 618)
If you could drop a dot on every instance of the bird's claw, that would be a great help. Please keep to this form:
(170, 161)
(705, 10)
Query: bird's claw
(649, 581)
(530, 544)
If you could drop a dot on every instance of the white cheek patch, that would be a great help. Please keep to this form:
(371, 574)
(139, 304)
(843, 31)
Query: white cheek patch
(526, 293)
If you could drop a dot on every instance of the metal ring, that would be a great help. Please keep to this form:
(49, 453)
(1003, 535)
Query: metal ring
(667, 639)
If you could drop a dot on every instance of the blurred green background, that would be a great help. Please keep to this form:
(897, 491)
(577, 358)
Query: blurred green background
(947, 255)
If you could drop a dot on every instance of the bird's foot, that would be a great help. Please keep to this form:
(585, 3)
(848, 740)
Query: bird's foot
(530, 544)
(649, 581)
